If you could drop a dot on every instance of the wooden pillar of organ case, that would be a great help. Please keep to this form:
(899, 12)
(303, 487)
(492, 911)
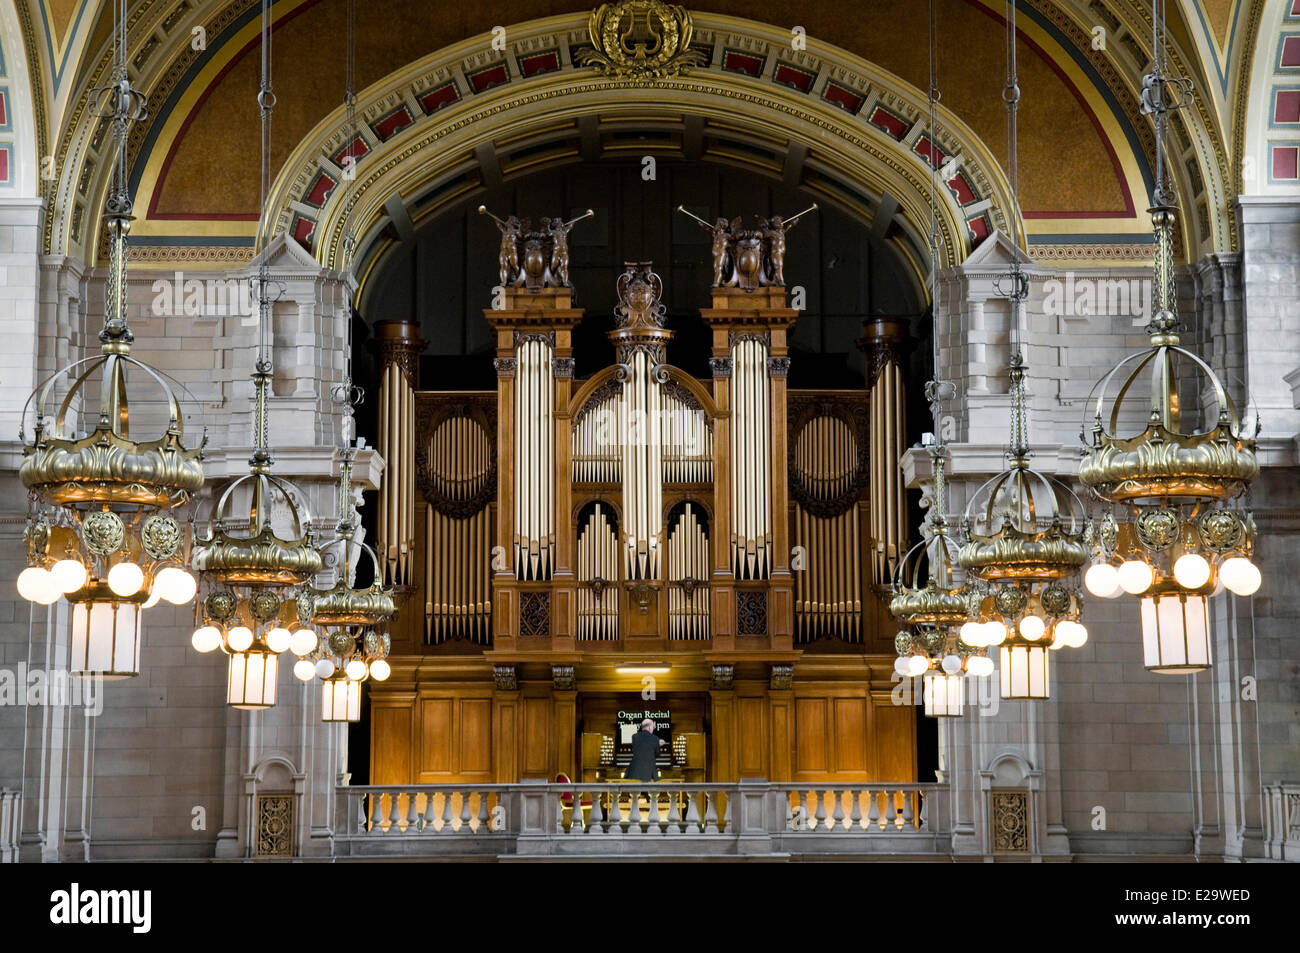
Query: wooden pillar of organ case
(541, 321)
(751, 328)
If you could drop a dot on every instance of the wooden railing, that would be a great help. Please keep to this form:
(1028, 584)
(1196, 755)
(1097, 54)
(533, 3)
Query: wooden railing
(540, 818)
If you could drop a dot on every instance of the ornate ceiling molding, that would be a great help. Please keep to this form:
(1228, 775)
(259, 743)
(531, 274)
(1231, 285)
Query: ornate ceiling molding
(420, 128)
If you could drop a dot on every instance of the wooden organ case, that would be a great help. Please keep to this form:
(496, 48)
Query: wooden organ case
(556, 538)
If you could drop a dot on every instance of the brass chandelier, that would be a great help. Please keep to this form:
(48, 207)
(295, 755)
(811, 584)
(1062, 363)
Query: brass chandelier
(354, 642)
(1025, 534)
(99, 531)
(251, 611)
(930, 646)
(1182, 534)
(933, 613)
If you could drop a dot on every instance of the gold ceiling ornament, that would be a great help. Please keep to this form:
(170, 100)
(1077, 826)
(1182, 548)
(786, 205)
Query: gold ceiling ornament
(354, 641)
(640, 40)
(96, 533)
(1183, 533)
(933, 611)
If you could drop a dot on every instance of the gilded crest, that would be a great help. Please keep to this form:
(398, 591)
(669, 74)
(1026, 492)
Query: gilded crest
(103, 532)
(161, 536)
(1222, 531)
(1158, 529)
(640, 40)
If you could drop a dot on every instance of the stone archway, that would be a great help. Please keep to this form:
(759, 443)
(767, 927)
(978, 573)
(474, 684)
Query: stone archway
(465, 118)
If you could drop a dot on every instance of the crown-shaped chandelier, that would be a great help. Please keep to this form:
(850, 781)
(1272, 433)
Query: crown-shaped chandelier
(1183, 533)
(933, 610)
(1025, 534)
(99, 531)
(354, 641)
(251, 611)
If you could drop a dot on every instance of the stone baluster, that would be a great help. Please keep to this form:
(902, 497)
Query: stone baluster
(482, 813)
(427, 826)
(446, 813)
(394, 813)
(674, 813)
(726, 811)
(692, 813)
(873, 811)
(412, 815)
(837, 817)
(634, 817)
(855, 813)
(464, 812)
(616, 799)
(711, 812)
(907, 810)
(655, 817)
(821, 809)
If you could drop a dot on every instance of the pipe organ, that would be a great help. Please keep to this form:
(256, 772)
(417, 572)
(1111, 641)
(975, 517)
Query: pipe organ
(751, 478)
(708, 529)
(534, 459)
(829, 466)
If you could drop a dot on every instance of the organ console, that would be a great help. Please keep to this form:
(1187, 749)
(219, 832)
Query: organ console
(547, 530)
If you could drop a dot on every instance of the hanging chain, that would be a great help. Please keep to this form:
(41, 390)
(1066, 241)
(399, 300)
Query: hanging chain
(1162, 94)
(121, 104)
(347, 392)
(265, 365)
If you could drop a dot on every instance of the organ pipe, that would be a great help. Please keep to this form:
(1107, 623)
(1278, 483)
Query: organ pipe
(598, 560)
(751, 516)
(883, 342)
(642, 469)
(534, 460)
(688, 574)
(457, 543)
(400, 346)
(828, 589)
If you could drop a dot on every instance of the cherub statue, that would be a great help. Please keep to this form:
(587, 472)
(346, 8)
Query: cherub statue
(508, 258)
(721, 230)
(558, 230)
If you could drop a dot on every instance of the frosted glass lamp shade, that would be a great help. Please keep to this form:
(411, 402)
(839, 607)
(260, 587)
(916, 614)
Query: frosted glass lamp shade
(1023, 671)
(1175, 633)
(252, 677)
(340, 699)
(943, 694)
(105, 639)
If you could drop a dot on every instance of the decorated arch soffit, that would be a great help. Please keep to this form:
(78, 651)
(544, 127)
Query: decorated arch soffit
(859, 129)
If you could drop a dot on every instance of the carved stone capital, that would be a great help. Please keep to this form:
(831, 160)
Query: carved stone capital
(781, 678)
(562, 367)
(722, 677)
(720, 367)
(778, 367)
(563, 678)
(505, 366)
(505, 678)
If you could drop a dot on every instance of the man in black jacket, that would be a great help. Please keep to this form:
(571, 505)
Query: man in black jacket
(645, 746)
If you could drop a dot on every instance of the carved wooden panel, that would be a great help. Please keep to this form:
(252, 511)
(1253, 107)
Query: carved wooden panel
(390, 741)
(751, 737)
